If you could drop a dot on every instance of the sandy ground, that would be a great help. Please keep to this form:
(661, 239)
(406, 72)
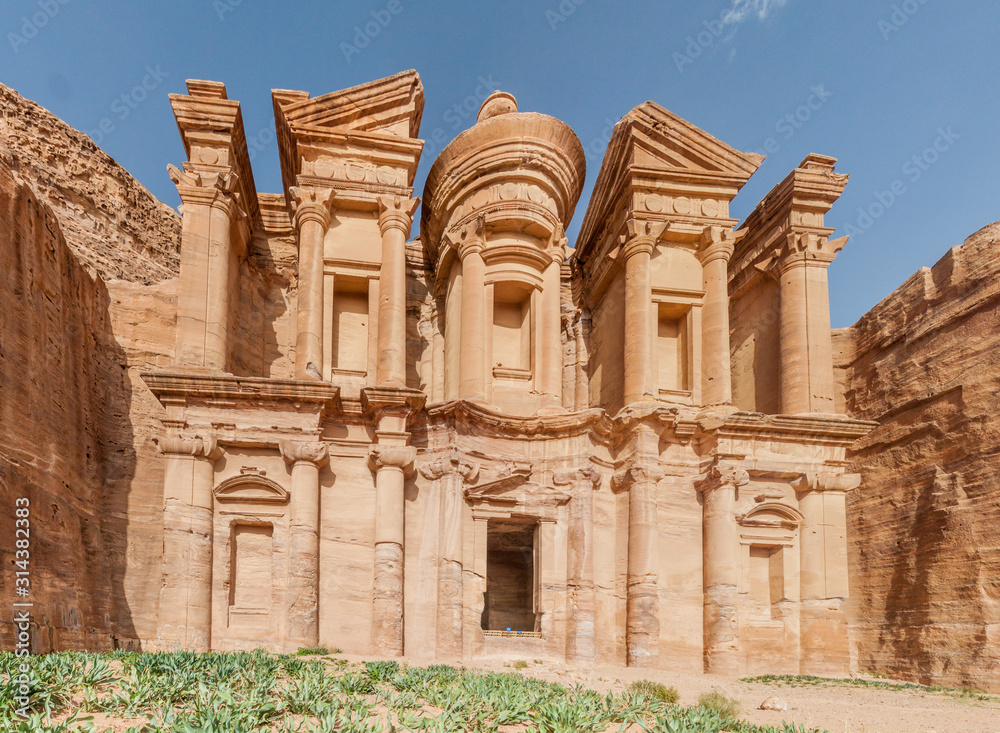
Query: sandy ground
(837, 708)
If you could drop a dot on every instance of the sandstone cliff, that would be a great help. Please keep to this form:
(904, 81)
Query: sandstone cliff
(925, 524)
(66, 444)
(110, 221)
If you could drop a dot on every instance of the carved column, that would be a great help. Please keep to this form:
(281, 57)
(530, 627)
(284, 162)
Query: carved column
(209, 212)
(550, 330)
(642, 633)
(721, 568)
(186, 592)
(395, 220)
(806, 342)
(451, 474)
(717, 248)
(639, 385)
(392, 466)
(824, 586)
(472, 369)
(580, 567)
(306, 460)
(312, 208)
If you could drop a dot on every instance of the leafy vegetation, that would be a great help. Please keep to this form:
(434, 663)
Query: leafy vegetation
(183, 692)
(655, 691)
(726, 707)
(878, 684)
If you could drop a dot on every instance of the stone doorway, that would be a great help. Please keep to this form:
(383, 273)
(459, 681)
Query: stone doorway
(511, 576)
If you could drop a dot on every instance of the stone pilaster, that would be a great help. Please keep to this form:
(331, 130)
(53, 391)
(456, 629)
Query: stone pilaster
(392, 466)
(394, 221)
(580, 647)
(550, 363)
(721, 566)
(642, 632)
(312, 207)
(208, 213)
(639, 383)
(824, 583)
(186, 592)
(306, 460)
(472, 367)
(717, 245)
(451, 475)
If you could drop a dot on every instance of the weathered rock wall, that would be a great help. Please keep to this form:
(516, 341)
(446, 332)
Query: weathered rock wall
(925, 524)
(111, 222)
(66, 443)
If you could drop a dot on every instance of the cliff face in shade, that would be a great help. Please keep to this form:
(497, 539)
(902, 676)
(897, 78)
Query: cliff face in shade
(113, 225)
(67, 446)
(925, 525)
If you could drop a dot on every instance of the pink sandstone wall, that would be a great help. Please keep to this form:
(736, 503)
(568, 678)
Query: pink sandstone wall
(924, 525)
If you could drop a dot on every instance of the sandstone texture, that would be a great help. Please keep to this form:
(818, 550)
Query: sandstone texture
(925, 543)
(113, 225)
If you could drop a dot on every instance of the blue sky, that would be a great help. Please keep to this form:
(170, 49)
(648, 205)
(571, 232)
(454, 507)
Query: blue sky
(904, 93)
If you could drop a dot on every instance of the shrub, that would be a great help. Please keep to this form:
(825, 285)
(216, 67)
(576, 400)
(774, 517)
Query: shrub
(317, 650)
(727, 707)
(655, 691)
(520, 664)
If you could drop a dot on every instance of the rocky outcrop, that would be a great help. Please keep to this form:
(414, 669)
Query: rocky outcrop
(66, 445)
(110, 221)
(925, 525)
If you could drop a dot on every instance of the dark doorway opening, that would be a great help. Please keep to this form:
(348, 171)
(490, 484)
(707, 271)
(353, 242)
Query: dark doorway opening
(510, 576)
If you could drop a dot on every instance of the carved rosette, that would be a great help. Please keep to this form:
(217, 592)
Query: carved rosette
(401, 457)
(311, 203)
(198, 446)
(294, 451)
(396, 212)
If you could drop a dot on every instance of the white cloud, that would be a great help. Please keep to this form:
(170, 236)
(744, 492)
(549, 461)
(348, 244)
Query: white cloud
(743, 9)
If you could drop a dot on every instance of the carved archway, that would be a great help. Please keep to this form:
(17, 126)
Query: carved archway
(250, 488)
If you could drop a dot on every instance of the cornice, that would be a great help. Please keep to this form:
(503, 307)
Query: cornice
(168, 384)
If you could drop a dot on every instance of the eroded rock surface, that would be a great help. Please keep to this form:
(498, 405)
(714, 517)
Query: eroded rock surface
(924, 535)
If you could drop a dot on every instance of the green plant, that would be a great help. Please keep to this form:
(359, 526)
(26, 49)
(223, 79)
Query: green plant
(715, 701)
(654, 691)
(320, 651)
(520, 664)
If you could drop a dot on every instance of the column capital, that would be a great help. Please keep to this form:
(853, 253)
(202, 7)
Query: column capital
(468, 239)
(808, 248)
(198, 446)
(294, 451)
(584, 474)
(826, 481)
(721, 475)
(395, 456)
(625, 479)
(311, 203)
(216, 189)
(455, 464)
(718, 243)
(396, 212)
